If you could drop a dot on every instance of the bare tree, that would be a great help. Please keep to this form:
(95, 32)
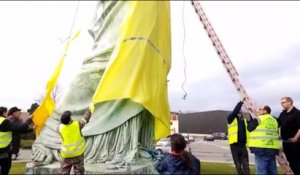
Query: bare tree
(56, 94)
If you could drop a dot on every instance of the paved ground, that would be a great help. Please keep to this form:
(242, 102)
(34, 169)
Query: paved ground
(25, 156)
(216, 151)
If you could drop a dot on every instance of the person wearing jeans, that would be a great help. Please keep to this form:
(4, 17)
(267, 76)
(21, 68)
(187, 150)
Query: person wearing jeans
(264, 141)
(265, 163)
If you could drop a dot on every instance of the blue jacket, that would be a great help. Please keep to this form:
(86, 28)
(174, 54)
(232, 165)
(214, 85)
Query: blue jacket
(171, 164)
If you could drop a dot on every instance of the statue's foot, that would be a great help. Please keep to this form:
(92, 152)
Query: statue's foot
(101, 160)
(116, 161)
(144, 154)
(41, 154)
(132, 157)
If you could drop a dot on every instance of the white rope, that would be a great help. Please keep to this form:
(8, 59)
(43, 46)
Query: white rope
(73, 23)
(74, 19)
(184, 59)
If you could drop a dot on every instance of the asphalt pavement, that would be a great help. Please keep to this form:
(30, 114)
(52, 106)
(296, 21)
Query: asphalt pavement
(24, 156)
(214, 151)
(207, 151)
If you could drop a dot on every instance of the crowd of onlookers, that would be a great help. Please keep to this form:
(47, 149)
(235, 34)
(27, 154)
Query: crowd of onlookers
(11, 128)
(260, 133)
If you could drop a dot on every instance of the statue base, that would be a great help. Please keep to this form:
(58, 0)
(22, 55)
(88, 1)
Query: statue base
(99, 168)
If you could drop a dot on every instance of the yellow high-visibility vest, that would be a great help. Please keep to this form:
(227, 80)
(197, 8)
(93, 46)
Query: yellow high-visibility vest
(266, 133)
(5, 137)
(73, 143)
(232, 130)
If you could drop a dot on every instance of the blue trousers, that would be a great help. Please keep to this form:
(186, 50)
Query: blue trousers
(265, 164)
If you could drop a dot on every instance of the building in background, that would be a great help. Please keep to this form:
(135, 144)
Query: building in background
(174, 122)
(206, 122)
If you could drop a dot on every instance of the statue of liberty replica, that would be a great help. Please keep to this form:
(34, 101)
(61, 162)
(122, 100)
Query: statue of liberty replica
(125, 78)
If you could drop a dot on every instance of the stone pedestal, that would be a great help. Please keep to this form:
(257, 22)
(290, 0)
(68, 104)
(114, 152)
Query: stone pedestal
(143, 168)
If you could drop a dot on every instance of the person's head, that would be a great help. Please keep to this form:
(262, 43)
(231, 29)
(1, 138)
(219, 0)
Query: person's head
(264, 110)
(178, 143)
(14, 111)
(66, 117)
(286, 103)
(3, 111)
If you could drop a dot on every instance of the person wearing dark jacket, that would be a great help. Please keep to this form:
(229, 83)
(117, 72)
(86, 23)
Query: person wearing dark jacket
(6, 129)
(14, 115)
(289, 123)
(178, 161)
(237, 138)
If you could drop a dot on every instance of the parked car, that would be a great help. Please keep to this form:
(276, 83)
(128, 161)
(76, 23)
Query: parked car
(220, 136)
(163, 145)
(188, 138)
(208, 138)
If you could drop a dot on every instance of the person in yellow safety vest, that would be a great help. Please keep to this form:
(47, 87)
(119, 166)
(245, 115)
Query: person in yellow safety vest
(6, 129)
(238, 139)
(73, 143)
(264, 141)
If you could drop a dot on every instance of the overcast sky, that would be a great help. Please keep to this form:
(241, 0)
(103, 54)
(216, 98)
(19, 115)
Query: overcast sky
(261, 38)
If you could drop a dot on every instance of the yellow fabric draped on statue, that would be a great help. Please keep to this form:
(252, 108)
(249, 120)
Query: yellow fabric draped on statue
(141, 61)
